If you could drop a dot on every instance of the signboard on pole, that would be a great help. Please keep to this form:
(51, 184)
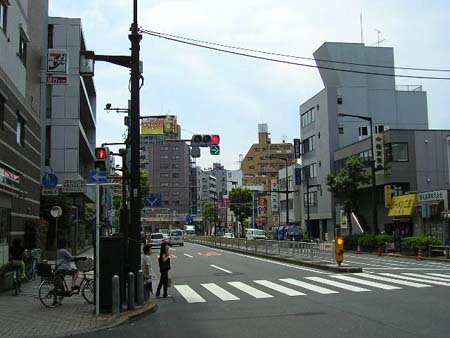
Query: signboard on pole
(57, 66)
(74, 186)
(378, 152)
(297, 147)
(50, 192)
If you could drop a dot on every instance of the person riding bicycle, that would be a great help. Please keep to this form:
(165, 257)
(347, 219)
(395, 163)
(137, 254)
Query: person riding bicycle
(63, 263)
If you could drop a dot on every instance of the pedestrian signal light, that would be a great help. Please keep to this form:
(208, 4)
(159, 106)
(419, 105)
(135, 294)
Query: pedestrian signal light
(215, 139)
(101, 153)
(339, 250)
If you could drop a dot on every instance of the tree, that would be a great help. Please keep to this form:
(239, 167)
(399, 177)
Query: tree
(210, 213)
(345, 185)
(241, 204)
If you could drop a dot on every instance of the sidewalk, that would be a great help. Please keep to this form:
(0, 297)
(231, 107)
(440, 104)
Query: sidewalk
(25, 316)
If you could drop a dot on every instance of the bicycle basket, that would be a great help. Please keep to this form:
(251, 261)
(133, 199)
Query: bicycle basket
(85, 265)
(43, 270)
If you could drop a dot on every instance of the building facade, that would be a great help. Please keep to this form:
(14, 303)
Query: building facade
(22, 44)
(294, 203)
(367, 95)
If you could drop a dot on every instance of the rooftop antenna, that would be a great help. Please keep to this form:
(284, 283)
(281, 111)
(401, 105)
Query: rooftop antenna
(378, 39)
(361, 26)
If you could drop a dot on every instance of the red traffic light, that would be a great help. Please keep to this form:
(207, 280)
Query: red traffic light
(101, 153)
(215, 139)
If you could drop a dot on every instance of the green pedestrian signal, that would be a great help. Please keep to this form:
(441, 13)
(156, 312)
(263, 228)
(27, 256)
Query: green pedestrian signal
(214, 149)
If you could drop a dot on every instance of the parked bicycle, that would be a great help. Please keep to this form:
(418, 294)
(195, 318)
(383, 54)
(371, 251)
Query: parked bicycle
(53, 288)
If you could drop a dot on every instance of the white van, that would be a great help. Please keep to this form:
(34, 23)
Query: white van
(255, 234)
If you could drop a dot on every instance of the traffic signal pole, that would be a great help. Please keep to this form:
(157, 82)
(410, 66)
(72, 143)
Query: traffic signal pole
(134, 134)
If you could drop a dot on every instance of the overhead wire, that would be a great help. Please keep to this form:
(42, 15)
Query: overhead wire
(291, 62)
(294, 56)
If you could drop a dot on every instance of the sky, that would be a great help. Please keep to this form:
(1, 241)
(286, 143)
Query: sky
(216, 93)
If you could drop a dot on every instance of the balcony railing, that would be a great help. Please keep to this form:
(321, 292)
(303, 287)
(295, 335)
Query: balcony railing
(408, 88)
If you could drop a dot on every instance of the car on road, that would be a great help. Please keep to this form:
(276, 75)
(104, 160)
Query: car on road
(228, 235)
(255, 234)
(176, 237)
(155, 239)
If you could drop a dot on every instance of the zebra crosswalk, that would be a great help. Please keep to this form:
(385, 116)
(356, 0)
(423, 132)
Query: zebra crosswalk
(293, 287)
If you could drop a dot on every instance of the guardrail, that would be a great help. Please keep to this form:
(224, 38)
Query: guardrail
(445, 249)
(306, 250)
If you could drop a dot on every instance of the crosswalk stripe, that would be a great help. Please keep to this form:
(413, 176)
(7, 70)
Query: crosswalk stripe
(439, 275)
(392, 280)
(308, 286)
(366, 282)
(250, 290)
(415, 279)
(219, 292)
(189, 294)
(337, 284)
(279, 288)
(426, 278)
(219, 268)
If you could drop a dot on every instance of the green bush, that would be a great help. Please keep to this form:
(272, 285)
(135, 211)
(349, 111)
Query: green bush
(366, 241)
(414, 243)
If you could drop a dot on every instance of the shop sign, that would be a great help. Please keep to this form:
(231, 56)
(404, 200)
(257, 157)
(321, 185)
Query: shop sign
(74, 186)
(430, 196)
(403, 205)
(57, 64)
(378, 151)
(9, 179)
(387, 196)
(274, 195)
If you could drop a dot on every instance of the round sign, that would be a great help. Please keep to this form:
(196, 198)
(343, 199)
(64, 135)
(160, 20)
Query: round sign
(49, 181)
(56, 211)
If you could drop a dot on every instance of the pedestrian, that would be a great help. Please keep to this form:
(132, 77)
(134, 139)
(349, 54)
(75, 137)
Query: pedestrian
(17, 256)
(148, 271)
(164, 267)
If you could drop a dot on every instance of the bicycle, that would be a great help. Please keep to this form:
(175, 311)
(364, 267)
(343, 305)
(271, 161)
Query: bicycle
(53, 288)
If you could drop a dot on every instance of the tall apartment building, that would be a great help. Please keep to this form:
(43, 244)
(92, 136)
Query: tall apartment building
(264, 159)
(322, 131)
(69, 118)
(22, 39)
(220, 173)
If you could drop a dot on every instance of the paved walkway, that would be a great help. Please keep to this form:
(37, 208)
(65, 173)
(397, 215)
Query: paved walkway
(25, 316)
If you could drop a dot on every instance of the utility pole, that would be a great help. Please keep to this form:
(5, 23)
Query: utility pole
(135, 189)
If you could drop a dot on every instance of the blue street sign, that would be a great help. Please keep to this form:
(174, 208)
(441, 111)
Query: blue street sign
(298, 176)
(49, 181)
(152, 200)
(99, 176)
(297, 147)
(189, 218)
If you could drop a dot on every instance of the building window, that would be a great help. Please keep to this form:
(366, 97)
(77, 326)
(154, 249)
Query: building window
(175, 175)
(164, 157)
(175, 148)
(175, 166)
(308, 117)
(341, 129)
(164, 184)
(396, 152)
(379, 128)
(165, 193)
(176, 157)
(176, 193)
(312, 199)
(23, 47)
(164, 148)
(50, 36)
(48, 144)
(20, 130)
(339, 99)
(366, 157)
(363, 131)
(164, 175)
(3, 15)
(250, 158)
(2, 112)
(251, 167)
(309, 144)
(164, 166)
(166, 202)
(309, 171)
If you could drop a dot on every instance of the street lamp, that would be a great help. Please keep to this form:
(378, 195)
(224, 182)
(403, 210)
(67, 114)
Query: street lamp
(372, 169)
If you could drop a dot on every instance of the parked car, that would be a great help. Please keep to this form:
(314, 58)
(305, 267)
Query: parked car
(255, 234)
(228, 235)
(155, 239)
(176, 237)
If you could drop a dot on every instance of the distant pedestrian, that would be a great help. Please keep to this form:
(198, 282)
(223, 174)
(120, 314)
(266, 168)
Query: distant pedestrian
(17, 256)
(164, 267)
(148, 271)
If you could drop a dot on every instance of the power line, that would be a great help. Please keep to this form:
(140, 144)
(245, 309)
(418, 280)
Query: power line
(293, 56)
(294, 63)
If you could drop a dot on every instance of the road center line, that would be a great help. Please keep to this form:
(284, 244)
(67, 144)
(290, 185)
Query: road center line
(188, 255)
(219, 268)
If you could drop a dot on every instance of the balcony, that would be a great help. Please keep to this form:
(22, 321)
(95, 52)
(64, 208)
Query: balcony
(408, 88)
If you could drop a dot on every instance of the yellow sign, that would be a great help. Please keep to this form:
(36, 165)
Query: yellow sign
(161, 125)
(387, 196)
(402, 205)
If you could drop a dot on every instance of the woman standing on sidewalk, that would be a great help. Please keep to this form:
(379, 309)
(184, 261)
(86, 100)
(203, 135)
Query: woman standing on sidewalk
(164, 267)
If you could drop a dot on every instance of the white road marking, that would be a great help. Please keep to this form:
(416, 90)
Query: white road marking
(172, 249)
(188, 255)
(412, 269)
(415, 279)
(337, 284)
(250, 290)
(368, 283)
(425, 278)
(406, 262)
(189, 294)
(369, 264)
(308, 286)
(219, 292)
(279, 288)
(219, 268)
(439, 275)
(392, 280)
(275, 262)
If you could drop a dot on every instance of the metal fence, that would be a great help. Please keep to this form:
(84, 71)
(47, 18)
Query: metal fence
(290, 249)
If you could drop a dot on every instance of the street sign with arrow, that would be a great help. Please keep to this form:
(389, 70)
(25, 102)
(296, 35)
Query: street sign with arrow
(214, 149)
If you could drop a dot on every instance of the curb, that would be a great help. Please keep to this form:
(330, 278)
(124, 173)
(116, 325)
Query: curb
(403, 256)
(115, 321)
(309, 264)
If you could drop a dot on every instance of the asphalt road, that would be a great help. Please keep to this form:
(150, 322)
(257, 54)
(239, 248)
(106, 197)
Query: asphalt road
(222, 294)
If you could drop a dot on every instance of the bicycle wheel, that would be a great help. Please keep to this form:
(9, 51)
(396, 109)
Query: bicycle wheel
(87, 291)
(48, 294)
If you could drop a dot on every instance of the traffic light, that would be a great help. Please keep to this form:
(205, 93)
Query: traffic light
(102, 158)
(339, 250)
(204, 140)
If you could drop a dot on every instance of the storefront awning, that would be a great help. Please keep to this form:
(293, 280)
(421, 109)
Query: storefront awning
(403, 205)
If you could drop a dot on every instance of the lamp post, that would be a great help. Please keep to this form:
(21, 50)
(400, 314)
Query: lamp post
(372, 168)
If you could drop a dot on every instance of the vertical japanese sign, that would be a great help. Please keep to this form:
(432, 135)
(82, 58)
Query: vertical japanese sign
(378, 151)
